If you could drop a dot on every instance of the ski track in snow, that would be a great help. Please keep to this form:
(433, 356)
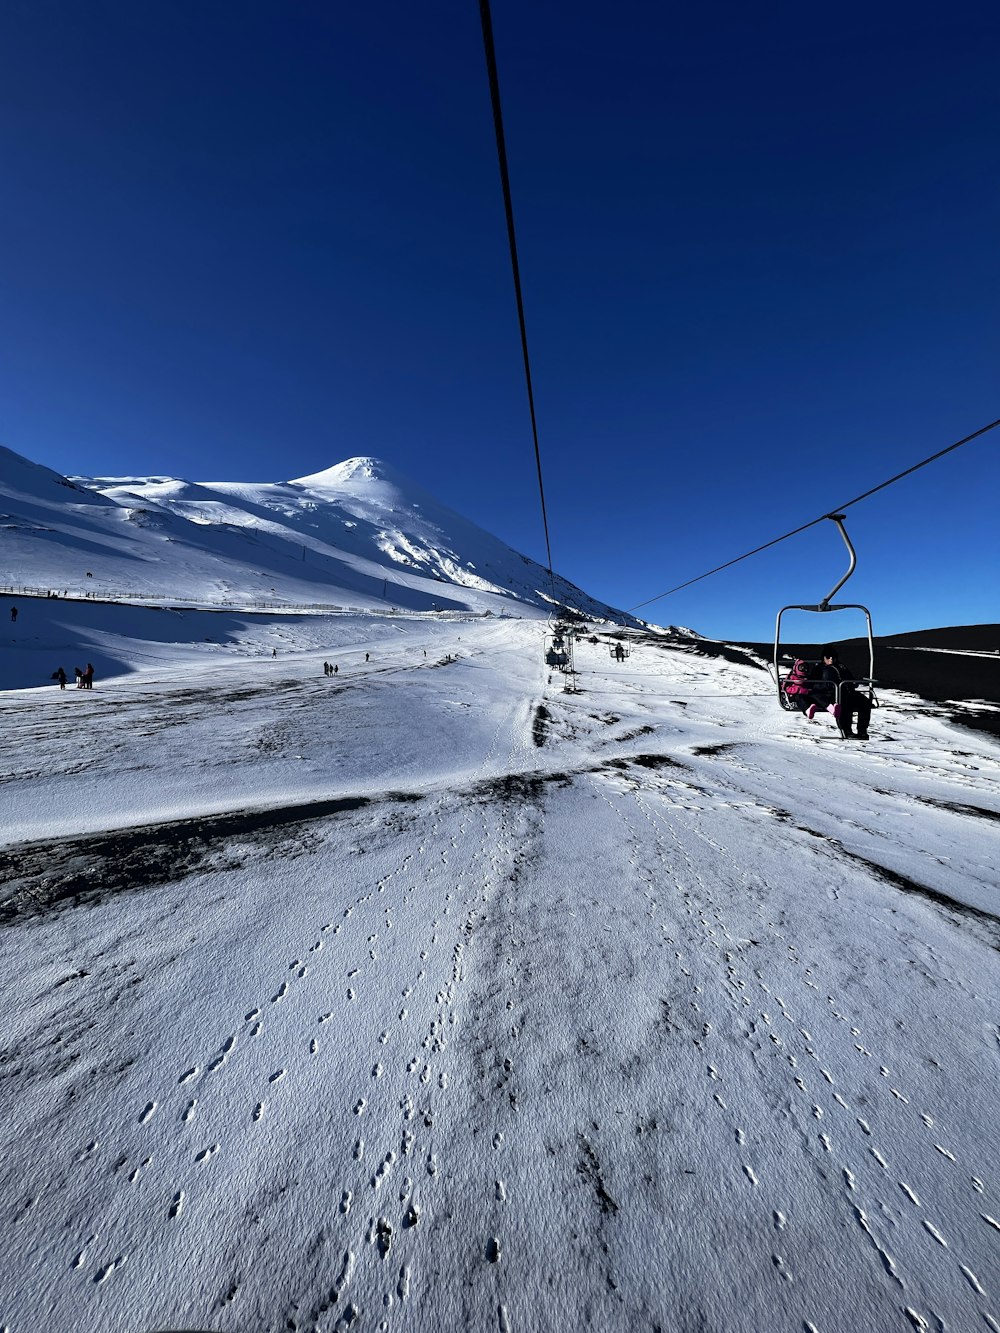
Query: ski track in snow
(450, 1031)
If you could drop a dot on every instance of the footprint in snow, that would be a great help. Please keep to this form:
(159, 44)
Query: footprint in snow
(135, 1174)
(220, 1059)
(104, 1273)
(79, 1260)
(383, 1170)
(781, 1267)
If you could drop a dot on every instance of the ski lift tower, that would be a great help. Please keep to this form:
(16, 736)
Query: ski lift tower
(559, 654)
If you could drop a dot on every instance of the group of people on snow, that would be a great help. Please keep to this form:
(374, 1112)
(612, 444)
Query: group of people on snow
(812, 689)
(332, 669)
(84, 679)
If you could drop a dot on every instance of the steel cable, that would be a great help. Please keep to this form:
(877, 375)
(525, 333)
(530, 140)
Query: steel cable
(491, 67)
(822, 518)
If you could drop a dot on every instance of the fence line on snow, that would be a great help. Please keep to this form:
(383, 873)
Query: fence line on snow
(120, 596)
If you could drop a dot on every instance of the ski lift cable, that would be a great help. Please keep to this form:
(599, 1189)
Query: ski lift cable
(491, 67)
(823, 517)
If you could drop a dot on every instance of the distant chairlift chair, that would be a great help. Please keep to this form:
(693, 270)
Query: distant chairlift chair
(556, 653)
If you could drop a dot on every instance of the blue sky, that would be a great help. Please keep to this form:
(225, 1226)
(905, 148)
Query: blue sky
(758, 248)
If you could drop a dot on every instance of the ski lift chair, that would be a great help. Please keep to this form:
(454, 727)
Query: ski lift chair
(865, 684)
(555, 652)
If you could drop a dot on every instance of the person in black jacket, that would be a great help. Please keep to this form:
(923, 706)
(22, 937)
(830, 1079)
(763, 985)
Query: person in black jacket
(852, 701)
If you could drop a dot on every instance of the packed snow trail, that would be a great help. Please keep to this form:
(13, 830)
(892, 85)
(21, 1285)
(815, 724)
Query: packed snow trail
(610, 1031)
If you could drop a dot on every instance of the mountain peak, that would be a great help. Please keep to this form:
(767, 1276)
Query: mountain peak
(352, 469)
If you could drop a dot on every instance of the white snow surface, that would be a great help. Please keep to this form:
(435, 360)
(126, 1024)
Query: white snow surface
(432, 997)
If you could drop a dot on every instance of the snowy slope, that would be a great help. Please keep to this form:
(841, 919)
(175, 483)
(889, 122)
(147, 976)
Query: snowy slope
(356, 535)
(431, 997)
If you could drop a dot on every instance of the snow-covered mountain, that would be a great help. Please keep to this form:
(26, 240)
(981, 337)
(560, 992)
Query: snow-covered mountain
(357, 535)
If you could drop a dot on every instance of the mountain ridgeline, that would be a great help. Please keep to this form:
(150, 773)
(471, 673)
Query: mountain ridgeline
(356, 535)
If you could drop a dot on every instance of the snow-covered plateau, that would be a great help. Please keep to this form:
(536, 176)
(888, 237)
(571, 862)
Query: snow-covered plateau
(429, 996)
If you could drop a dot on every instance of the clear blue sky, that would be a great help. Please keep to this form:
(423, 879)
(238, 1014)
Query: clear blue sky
(759, 249)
